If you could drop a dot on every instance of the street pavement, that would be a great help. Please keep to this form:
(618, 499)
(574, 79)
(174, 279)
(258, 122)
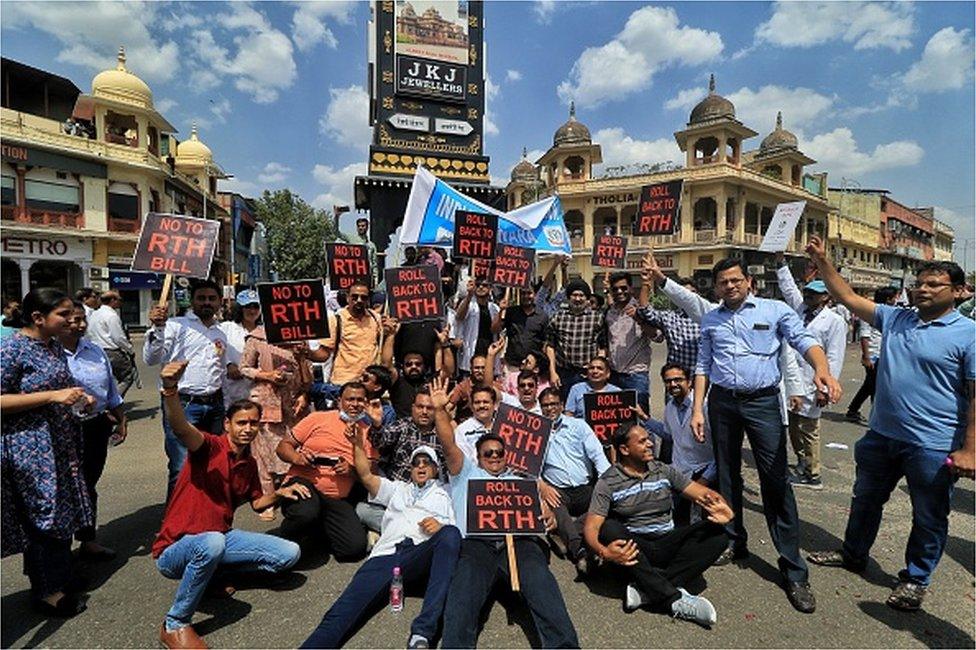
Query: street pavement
(129, 597)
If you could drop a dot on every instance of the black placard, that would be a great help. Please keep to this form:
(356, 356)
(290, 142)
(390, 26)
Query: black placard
(606, 412)
(172, 243)
(514, 266)
(428, 78)
(504, 506)
(659, 207)
(482, 269)
(293, 311)
(526, 436)
(414, 293)
(610, 252)
(348, 264)
(475, 235)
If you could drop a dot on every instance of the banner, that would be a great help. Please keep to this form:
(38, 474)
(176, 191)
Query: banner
(659, 207)
(504, 506)
(429, 218)
(171, 243)
(514, 267)
(610, 252)
(782, 226)
(606, 412)
(414, 293)
(293, 311)
(526, 436)
(475, 235)
(348, 264)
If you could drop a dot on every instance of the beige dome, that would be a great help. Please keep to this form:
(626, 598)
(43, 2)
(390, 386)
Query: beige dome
(712, 107)
(572, 132)
(780, 138)
(122, 86)
(192, 152)
(524, 170)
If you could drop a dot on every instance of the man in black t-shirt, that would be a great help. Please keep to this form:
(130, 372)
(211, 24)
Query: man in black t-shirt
(414, 372)
(524, 326)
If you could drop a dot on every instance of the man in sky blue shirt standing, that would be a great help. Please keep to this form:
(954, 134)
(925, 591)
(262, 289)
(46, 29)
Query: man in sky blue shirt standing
(922, 428)
(738, 357)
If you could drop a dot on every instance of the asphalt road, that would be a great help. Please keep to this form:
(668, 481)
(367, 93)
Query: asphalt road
(129, 597)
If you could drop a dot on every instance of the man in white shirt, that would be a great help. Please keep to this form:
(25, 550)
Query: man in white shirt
(105, 330)
(89, 298)
(472, 322)
(196, 337)
(419, 539)
(484, 405)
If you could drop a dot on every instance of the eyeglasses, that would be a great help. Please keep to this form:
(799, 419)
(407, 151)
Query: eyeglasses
(527, 385)
(493, 453)
(421, 461)
(355, 297)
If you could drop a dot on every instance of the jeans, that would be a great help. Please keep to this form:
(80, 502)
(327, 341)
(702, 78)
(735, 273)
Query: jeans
(437, 557)
(638, 381)
(193, 560)
(206, 417)
(95, 434)
(760, 419)
(321, 515)
(570, 516)
(481, 562)
(880, 464)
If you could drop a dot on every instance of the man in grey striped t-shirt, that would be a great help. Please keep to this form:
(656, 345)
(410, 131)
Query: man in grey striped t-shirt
(629, 523)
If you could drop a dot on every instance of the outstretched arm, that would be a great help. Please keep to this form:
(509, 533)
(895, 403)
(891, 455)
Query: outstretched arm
(838, 287)
(453, 456)
(787, 284)
(191, 437)
(356, 435)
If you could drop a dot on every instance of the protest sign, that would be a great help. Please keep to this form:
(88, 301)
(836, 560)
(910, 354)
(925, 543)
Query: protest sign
(782, 226)
(177, 245)
(514, 267)
(475, 235)
(482, 270)
(606, 412)
(293, 311)
(348, 264)
(414, 293)
(504, 506)
(610, 252)
(526, 435)
(659, 207)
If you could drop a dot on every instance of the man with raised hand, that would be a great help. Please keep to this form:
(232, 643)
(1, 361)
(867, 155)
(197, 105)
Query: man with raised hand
(924, 432)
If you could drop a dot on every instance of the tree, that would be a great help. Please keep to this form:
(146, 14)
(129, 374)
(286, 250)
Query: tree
(296, 235)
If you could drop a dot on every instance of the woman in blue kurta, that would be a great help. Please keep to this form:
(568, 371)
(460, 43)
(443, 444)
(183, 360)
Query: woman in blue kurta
(44, 498)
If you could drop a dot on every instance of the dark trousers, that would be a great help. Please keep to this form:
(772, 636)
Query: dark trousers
(123, 369)
(321, 515)
(47, 562)
(569, 516)
(681, 512)
(760, 419)
(569, 377)
(95, 434)
(865, 391)
(482, 562)
(435, 558)
(670, 561)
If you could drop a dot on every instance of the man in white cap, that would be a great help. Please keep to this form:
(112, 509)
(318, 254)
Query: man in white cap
(419, 539)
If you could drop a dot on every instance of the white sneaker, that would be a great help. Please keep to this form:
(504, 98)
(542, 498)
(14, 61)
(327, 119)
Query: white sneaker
(694, 608)
(634, 598)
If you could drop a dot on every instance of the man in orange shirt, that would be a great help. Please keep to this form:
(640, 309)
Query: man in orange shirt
(355, 335)
(320, 454)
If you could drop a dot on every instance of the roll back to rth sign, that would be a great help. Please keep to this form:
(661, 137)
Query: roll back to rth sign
(414, 293)
(658, 210)
(504, 507)
(514, 266)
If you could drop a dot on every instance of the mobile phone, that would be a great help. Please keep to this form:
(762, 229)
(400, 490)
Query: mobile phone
(325, 461)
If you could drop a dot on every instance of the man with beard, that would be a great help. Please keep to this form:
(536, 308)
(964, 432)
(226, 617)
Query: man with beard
(355, 333)
(629, 338)
(525, 329)
(415, 373)
(198, 338)
(597, 381)
(575, 335)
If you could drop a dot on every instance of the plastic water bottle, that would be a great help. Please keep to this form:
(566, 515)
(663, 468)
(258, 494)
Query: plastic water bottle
(396, 591)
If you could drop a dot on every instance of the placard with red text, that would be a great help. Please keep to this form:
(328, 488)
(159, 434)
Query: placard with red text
(293, 311)
(514, 266)
(526, 436)
(606, 412)
(504, 506)
(610, 252)
(172, 243)
(348, 265)
(475, 235)
(657, 212)
(414, 293)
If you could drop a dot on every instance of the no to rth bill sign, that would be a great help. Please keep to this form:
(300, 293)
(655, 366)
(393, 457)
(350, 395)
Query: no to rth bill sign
(173, 243)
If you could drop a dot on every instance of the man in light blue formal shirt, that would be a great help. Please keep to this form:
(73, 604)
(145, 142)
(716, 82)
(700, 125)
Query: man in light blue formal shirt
(738, 356)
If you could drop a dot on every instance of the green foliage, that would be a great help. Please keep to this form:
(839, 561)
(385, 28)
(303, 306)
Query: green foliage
(660, 301)
(296, 234)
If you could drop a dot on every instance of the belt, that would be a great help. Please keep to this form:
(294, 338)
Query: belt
(743, 394)
(212, 398)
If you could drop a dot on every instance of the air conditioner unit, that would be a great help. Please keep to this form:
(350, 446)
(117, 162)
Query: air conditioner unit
(756, 269)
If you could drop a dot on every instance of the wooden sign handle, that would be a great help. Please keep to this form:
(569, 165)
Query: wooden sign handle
(164, 294)
(512, 564)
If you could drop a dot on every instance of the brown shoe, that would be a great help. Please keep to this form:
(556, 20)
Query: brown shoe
(184, 637)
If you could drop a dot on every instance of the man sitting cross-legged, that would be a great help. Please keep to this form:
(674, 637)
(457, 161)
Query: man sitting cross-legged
(196, 538)
(419, 537)
(630, 524)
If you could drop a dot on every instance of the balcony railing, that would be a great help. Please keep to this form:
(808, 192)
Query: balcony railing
(117, 224)
(43, 217)
(704, 236)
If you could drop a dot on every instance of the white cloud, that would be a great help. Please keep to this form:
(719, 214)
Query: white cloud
(513, 75)
(165, 105)
(758, 108)
(621, 149)
(838, 152)
(338, 184)
(239, 186)
(90, 34)
(650, 41)
(491, 93)
(867, 25)
(946, 63)
(220, 109)
(274, 172)
(543, 10)
(686, 99)
(308, 23)
(346, 120)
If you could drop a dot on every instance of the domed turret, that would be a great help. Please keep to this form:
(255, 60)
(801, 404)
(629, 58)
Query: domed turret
(525, 171)
(121, 85)
(713, 107)
(780, 138)
(192, 152)
(572, 132)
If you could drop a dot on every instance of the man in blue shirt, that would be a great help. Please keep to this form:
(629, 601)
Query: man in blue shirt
(922, 428)
(738, 356)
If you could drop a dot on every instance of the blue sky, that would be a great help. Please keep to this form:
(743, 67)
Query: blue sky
(880, 94)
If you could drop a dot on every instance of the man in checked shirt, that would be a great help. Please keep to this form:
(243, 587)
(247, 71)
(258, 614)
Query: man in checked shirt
(680, 330)
(576, 334)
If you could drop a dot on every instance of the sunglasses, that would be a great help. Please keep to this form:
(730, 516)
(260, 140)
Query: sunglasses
(493, 453)
(355, 297)
(421, 461)
(527, 385)
(620, 289)
(413, 364)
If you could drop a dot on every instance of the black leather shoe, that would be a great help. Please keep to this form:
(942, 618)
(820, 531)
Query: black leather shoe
(731, 555)
(801, 597)
(66, 607)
